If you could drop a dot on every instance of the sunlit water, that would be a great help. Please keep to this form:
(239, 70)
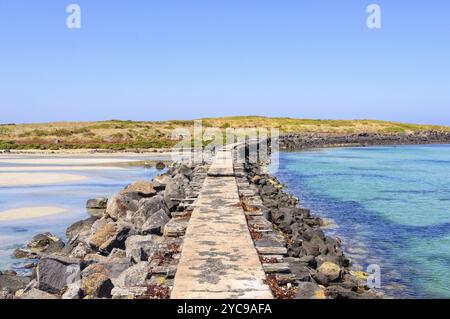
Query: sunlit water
(390, 205)
(72, 196)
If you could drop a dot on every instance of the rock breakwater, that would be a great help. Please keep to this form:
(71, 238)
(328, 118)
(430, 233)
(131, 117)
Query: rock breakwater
(131, 246)
(308, 140)
(128, 248)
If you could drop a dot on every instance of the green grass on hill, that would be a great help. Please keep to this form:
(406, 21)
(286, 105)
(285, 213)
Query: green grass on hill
(120, 135)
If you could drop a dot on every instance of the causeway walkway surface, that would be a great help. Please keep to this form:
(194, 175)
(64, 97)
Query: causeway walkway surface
(219, 259)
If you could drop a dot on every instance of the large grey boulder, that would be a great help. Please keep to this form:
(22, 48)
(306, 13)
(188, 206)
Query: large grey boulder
(111, 268)
(80, 229)
(135, 276)
(97, 285)
(160, 182)
(142, 188)
(174, 191)
(119, 205)
(141, 248)
(155, 223)
(185, 171)
(56, 273)
(80, 250)
(38, 294)
(147, 207)
(107, 235)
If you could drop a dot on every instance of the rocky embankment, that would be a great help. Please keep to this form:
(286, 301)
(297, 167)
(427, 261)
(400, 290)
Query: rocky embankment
(308, 140)
(131, 244)
(299, 259)
(128, 248)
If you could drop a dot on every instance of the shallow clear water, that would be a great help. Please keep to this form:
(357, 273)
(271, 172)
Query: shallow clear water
(390, 205)
(71, 196)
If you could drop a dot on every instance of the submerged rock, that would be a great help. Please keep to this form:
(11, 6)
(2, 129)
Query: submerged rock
(45, 243)
(20, 253)
(160, 166)
(97, 203)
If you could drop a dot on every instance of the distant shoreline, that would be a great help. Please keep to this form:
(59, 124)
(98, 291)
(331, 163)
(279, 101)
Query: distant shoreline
(287, 142)
(137, 137)
(294, 142)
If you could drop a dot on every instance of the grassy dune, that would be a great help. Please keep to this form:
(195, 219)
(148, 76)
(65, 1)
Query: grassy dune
(119, 135)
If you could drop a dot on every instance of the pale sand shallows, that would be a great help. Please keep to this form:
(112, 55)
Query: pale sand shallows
(30, 212)
(30, 179)
(57, 168)
(66, 161)
(80, 159)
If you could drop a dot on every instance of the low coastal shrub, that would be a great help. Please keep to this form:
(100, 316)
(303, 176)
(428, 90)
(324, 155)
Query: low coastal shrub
(394, 129)
(4, 131)
(7, 145)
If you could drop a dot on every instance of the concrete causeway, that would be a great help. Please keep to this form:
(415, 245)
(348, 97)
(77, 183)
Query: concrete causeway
(219, 259)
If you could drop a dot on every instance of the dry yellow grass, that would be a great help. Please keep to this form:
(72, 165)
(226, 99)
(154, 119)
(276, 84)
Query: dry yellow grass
(117, 134)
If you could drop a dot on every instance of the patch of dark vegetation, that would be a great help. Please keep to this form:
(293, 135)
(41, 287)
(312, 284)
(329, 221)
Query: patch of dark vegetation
(278, 291)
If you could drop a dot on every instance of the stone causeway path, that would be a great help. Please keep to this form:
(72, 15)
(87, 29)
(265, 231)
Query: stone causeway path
(219, 259)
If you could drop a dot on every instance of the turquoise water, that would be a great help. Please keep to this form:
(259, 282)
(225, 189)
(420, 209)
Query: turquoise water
(71, 196)
(390, 205)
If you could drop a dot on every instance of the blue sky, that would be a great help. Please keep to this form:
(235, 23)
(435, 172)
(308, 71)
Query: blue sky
(183, 59)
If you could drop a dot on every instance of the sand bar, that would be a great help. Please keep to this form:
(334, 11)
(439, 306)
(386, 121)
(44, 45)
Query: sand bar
(30, 179)
(66, 161)
(30, 212)
(56, 168)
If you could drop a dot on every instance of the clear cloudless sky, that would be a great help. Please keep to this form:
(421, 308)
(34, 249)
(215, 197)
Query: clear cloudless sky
(184, 59)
